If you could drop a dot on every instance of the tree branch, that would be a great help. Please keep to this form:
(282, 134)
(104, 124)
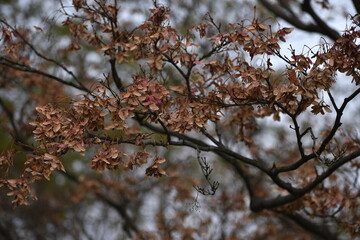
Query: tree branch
(129, 225)
(198, 144)
(356, 5)
(337, 122)
(325, 29)
(294, 20)
(186, 76)
(319, 230)
(81, 87)
(115, 75)
(25, 68)
(10, 116)
(258, 204)
(325, 142)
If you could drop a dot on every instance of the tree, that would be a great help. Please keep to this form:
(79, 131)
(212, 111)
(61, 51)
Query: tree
(213, 90)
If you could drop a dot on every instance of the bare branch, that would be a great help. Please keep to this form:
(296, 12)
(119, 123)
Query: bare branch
(115, 75)
(25, 68)
(10, 116)
(129, 225)
(319, 230)
(356, 5)
(206, 170)
(289, 16)
(325, 29)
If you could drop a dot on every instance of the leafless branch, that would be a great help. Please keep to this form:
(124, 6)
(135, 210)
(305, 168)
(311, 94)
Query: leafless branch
(321, 231)
(288, 15)
(25, 68)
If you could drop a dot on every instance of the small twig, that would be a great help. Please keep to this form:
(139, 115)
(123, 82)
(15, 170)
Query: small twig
(206, 170)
